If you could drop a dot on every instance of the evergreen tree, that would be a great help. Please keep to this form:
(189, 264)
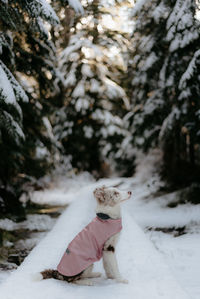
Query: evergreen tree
(27, 76)
(180, 85)
(165, 99)
(24, 42)
(89, 123)
(148, 54)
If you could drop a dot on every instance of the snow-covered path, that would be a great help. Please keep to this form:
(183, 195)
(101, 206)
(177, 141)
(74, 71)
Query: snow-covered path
(149, 277)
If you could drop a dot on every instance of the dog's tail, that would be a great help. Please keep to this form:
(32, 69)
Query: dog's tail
(46, 274)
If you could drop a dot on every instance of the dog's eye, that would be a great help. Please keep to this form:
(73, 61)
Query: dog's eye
(116, 193)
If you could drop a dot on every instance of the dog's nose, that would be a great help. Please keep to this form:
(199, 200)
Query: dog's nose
(129, 192)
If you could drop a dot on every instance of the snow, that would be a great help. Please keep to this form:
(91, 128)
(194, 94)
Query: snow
(74, 45)
(90, 51)
(33, 222)
(16, 131)
(154, 213)
(76, 6)
(181, 254)
(181, 27)
(79, 90)
(17, 89)
(48, 127)
(169, 121)
(88, 132)
(86, 70)
(151, 59)
(97, 73)
(41, 151)
(41, 27)
(74, 57)
(82, 104)
(140, 80)
(106, 117)
(152, 105)
(157, 265)
(189, 71)
(6, 88)
(147, 43)
(94, 85)
(44, 9)
(71, 79)
(138, 6)
(113, 90)
(63, 191)
(148, 274)
(7, 93)
(160, 11)
(197, 12)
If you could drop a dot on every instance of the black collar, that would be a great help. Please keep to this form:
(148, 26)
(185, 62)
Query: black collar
(103, 216)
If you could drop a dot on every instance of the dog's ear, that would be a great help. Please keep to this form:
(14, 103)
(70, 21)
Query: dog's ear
(99, 194)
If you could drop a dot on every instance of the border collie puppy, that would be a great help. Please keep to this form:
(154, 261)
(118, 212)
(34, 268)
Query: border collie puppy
(97, 240)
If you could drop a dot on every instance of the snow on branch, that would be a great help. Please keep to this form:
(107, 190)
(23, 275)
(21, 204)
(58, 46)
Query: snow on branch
(138, 6)
(189, 71)
(76, 6)
(12, 128)
(180, 25)
(168, 123)
(6, 90)
(43, 9)
(16, 87)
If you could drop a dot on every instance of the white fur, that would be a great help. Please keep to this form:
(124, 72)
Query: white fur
(108, 202)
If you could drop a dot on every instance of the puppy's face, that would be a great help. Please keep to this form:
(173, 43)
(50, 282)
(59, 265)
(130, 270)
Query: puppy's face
(110, 196)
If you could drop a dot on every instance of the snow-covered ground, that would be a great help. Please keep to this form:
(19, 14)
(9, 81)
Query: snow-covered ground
(157, 265)
(182, 256)
(180, 253)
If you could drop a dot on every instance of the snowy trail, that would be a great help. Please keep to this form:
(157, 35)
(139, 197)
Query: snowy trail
(149, 277)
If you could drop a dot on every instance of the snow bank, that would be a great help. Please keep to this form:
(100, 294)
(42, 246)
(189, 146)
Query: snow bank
(33, 222)
(182, 255)
(154, 212)
(63, 190)
(149, 277)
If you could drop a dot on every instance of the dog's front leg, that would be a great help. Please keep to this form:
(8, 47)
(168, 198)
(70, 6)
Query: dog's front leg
(110, 261)
(111, 266)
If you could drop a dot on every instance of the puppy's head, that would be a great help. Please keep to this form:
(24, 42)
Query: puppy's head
(110, 196)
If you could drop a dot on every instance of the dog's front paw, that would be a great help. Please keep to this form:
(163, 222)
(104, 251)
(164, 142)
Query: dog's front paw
(122, 280)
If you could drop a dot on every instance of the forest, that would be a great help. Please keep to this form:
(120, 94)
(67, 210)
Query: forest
(88, 87)
(95, 87)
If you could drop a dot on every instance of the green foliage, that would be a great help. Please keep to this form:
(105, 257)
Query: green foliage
(28, 81)
(165, 82)
(25, 54)
(89, 122)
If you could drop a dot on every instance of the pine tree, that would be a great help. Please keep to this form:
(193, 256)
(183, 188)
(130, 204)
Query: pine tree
(164, 99)
(180, 84)
(23, 36)
(27, 77)
(149, 51)
(90, 124)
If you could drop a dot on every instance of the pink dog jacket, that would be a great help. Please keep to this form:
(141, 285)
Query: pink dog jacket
(87, 247)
